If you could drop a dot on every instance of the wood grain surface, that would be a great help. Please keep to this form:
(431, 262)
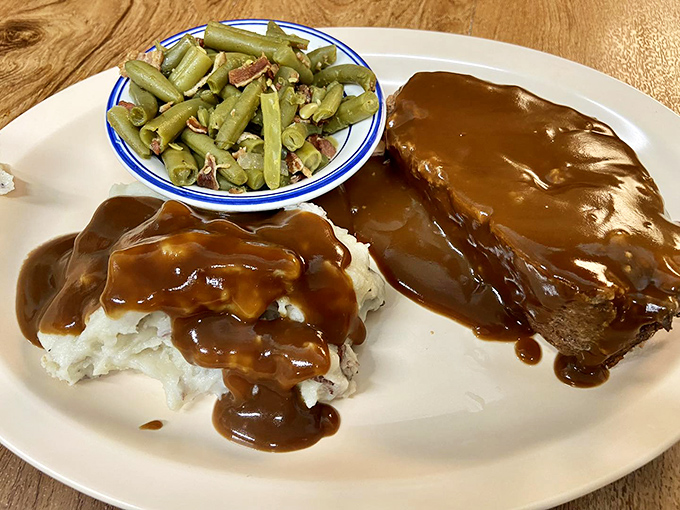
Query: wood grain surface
(48, 45)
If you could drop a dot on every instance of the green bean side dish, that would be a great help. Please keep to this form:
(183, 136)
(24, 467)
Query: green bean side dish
(240, 111)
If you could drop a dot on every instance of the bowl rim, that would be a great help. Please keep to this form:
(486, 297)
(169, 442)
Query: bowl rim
(250, 201)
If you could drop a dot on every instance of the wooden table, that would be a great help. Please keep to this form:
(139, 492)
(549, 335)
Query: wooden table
(48, 45)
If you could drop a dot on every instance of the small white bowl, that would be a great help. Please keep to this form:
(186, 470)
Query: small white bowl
(356, 143)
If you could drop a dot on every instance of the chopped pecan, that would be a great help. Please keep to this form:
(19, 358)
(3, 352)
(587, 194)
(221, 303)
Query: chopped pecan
(207, 177)
(306, 93)
(322, 145)
(242, 76)
(154, 57)
(246, 135)
(195, 126)
(236, 191)
(271, 72)
(156, 146)
(165, 107)
(296, 177)
(294, 163)
(126, 104)
(239, 153)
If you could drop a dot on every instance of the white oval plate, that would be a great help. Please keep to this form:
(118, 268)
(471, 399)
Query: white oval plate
(441, 419)
(355, 144)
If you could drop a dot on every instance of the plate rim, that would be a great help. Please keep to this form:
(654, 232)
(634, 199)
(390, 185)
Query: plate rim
(565, 496)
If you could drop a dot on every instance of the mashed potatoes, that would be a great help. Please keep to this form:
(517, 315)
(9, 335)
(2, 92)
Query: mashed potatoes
(142, 342)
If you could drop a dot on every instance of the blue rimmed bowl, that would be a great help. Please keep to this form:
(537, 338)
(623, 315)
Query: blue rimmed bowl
(355, 144)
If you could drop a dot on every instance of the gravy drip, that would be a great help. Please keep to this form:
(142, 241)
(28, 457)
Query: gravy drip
(560, 206)
(218, 278)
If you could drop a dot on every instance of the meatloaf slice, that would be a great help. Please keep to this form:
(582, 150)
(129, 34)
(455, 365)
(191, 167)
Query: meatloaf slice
(558, 204)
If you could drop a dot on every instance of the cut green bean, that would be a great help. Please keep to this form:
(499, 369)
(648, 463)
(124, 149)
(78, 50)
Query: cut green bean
(180, 164)
(220, 114)
(228, 91)
(255, 178)
(203, 116)
(288, 103)
(159, 132)
(226, 164)
(174, 54)
(346, 73)
(355, 109)
(287, 74)
(255, 145)
(293, 137)
(322, 57)
(149, 78)
(200, 161)
(225, 184)
(208, 97)
(275, 31)
(285, 56)
(227, 38)
(219, 78)
(309, 156)
(242, 113)
(271, 117)
(190, 69)
(318, 93)
(146, 105)
(330, 103)
(120, 122)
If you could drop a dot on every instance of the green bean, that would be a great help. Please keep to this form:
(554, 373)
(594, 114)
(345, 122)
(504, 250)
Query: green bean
(346, 73)
(226, 38)
(200, 161)
(287, 74)
(225, 184)
(257, 118)
(285, 56)
(220, 114)
(304, 59)
(330, 103)
(208, 97)
(119, 121)
(309, 156)
(228, 91)
(243, 111)
(318, 93)
(322, 57)
(219, 78)
(190, 69)
(169, 124)
(273, 30)
(146, 105)
(255, 145)
(173, 55)
(180, 164)
(271, 117)
(288, 105)
(255, 178)
(293, 137)
(355, 109)
(227, 165)
(324, 161)
(203, 115)
(149, 78)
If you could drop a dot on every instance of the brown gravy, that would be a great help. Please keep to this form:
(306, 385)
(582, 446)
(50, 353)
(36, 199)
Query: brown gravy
(216, 276)
(152, 425)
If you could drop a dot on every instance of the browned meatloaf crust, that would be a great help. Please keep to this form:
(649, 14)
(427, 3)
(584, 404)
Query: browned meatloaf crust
(554, 199)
